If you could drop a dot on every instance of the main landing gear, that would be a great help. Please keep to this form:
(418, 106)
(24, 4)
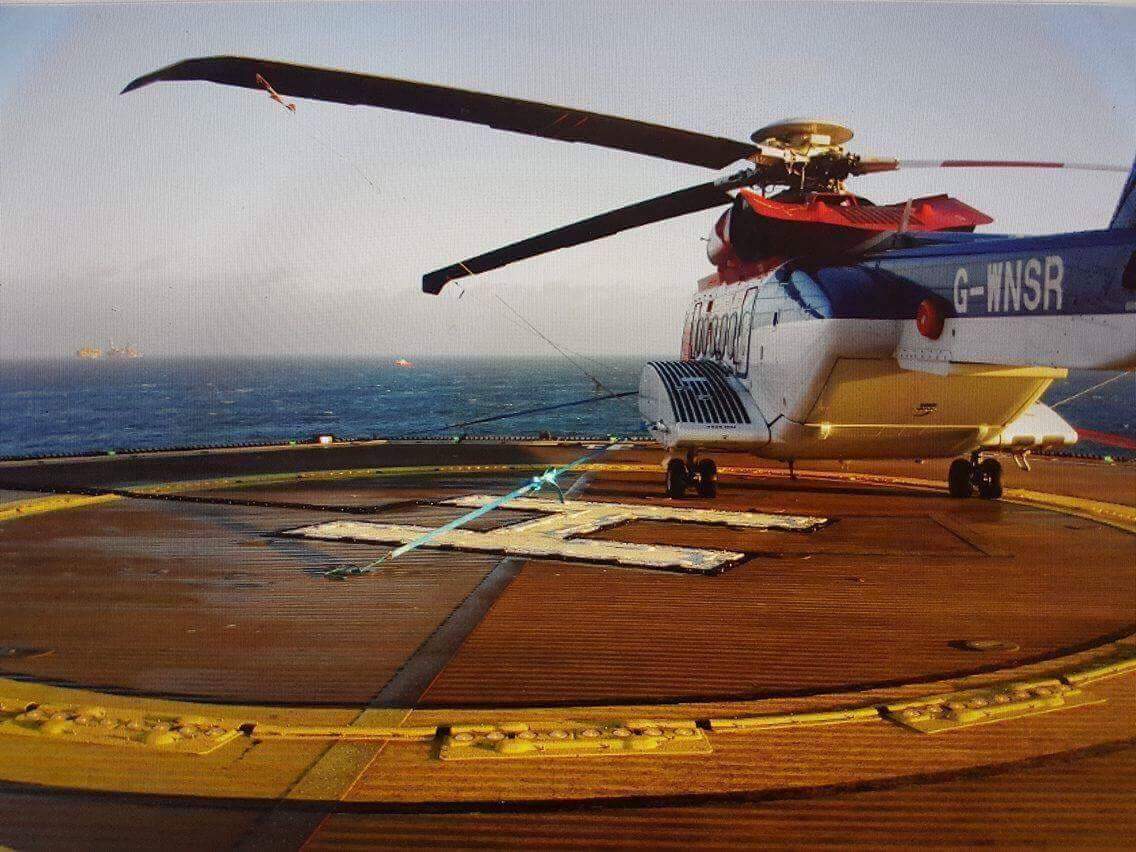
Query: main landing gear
(968, 475)
(701, 473)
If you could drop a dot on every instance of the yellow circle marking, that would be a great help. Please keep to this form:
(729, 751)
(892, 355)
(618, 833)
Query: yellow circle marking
(69, 757)
(1112, 514)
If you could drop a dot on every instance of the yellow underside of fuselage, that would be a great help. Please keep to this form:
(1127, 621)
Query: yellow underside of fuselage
(874, 408)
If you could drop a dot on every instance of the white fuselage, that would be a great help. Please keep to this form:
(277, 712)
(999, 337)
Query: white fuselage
(833, 388)
(825, 386)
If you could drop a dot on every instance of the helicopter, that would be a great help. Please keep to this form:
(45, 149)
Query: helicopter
(831, 327)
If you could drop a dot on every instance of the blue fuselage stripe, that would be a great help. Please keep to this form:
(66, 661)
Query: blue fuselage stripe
(1063, 275)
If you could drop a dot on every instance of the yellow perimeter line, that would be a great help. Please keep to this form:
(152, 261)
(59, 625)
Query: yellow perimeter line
(299, 724)
(39, 505)
(1111, 514)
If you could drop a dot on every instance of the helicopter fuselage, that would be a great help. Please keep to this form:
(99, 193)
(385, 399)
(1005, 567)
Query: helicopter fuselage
(809, 360)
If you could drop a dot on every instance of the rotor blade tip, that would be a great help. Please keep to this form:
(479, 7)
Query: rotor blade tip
(136, 83)
(150, 77)
(183, 69)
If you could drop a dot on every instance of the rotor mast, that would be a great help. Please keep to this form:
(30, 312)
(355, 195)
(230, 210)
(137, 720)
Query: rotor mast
(805, 154)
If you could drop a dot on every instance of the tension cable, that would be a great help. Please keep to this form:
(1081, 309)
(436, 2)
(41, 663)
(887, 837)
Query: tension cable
(1097, 386)
(584, 401)
(608, 392)
(312, 134)
(600, 385)
(548, 478)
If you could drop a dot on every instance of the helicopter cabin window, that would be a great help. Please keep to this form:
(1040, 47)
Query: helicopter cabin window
(748, 303)
(688, 336)
(745, 325)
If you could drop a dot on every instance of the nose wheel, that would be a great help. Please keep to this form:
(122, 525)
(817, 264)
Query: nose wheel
(701, 474)
(707, 478)
(677, 478)
(969, 475)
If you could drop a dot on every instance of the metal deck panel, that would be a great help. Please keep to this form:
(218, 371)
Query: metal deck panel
(862, 594)
(1078, 801)
(182, 599)
(836, 608)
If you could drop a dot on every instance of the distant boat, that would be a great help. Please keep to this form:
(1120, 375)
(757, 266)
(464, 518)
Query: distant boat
(402, 362)
(89, 353)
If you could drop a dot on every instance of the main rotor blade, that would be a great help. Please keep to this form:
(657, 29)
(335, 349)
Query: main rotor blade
(529, 117)
(690, 200)
(871, 166)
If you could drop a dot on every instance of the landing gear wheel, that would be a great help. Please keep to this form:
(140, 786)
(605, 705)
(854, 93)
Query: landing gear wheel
(677, 478)
(989, 479)
(707, 478)
(958, 479)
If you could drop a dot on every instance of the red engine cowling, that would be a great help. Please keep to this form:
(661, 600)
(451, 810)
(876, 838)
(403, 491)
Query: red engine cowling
(756, 228)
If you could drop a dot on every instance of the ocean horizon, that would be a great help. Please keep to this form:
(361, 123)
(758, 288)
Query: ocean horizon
(68, 405)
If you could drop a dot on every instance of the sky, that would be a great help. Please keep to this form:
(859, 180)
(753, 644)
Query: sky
(194, 219)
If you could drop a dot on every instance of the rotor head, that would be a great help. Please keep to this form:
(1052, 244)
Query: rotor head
(802, 134)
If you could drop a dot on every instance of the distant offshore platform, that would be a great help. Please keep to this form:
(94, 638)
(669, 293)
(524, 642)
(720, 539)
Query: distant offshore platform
(93, 353)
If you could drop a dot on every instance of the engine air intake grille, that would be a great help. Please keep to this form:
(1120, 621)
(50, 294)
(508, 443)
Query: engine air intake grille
(699, 392)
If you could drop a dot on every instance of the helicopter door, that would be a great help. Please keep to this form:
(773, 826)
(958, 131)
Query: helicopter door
(745, 327)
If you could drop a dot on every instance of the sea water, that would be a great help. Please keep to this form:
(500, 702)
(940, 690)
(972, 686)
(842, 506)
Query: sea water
(75, 406)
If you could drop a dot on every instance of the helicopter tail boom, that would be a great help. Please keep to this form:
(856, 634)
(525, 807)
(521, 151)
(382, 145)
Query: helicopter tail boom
(1125, 215)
